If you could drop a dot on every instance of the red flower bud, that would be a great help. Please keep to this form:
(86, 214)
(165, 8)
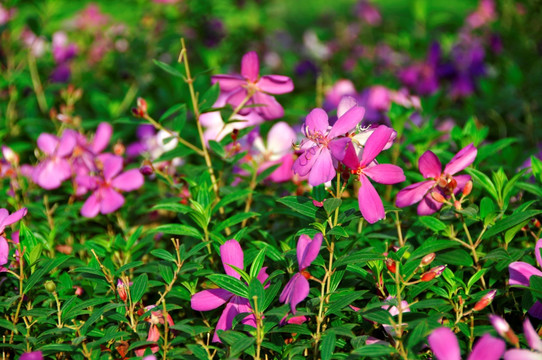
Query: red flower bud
(121, 290)
(485, 300)
(391, 265)
(433, 273)
(467, 189)
(438, 197)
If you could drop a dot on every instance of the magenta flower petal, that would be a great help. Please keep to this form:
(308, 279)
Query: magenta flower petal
(304, 163)
(347, 122)
(429, 165)
(316, 120)
(536, 310)
(346, 103)
(375, 144)
(285, 171)
(91, 207)
(47, 143)
(520, 354)
(280, 138)
(128, 180)
(532, 337)
(228, 83)
(444, 344)
(209, 299)
(385, 174)
(34, 355)
(462, 180)
(487, 348)
(521, 272)
(13, 218)
(270, 108)
(461, 160)
(102, 137)
(537, 254)
(232, 254)
(295, 291)
(338, 147)
(4, 251)
(112, 167)
(66, 144)
(263, 275)
(308, 249)
(236, 98)
(428, 206)
(322, 171)
(370, 204)
(225, 321)
(276, 84)
(111, 200)
(350, 157)
(413, 193)
(243, 306)
(250, 66)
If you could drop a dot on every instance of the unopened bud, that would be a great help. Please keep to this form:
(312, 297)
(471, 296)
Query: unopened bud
(306, 274)
(503, 329)
(10, 155)
(433, 273)
(119, 149)
(391, 265)
(485, 300)
(234, 134)
(438, 197)
(78, 290)
(146, 168)
(50, 286)
(468, 188)
(121, 290)
(141, 109)
(428, 259)
(457, 205)
(452, 184)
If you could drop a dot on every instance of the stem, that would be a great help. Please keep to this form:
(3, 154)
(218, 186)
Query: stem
(259, 329)
(186, 143)
(399, 231)
(59, 311)
(179, 264)
(399, 326)
(21, 294)
(249, 200)
(36, 83)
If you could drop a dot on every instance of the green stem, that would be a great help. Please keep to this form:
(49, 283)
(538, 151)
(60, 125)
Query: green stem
(36, 83)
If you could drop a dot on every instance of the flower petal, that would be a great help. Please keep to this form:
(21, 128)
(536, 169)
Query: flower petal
(536, 310)
(13, 218)
(351, 158)
(532, 337)
(346, 103)
(308, 249)
(428, 206)
(444, 344)
(370, 204)
(128, 180)
(280, 138)
(209, 299)
(250, 66)
(461, 160)
(316, 121)
(111, 200)
(232, 254)
(228, 83)
(304, 163)
(487, 348)
(521, 272)
(276, 84)
(429, 165)
(295, 291)
(520, 354)
(322, 171)
(66, 144)
(47, 143)
(413, 193)
(375, 144)
(347, 122)
(338, 147)
(102, 137)
(112, 166)
(4, 251)
(269, 107)
(91, 207)
(385, 174)
(225, 321)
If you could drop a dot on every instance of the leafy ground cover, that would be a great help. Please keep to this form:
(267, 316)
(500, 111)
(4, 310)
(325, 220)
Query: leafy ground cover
(270, 179)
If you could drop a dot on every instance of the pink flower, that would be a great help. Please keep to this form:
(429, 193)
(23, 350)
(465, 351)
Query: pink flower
(157, 317)
(297, 289)
(365, 167)
(34, 355)
(534, 342)
(521, 272)
(62, 50)
(443, 182)
(5, 220)
(106, 199)
(56, 168)
(444, 344)
(324, 144)
(206, 300)
(258, 89)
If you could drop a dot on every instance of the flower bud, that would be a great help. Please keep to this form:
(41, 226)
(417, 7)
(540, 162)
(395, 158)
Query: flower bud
(485, 300)
(433, 273)
(118, 149)
(438, 197)
(468, 188)
(428, 259)
(457, 205)
(78, 290)
(503, 329)
(146, 168)
(391, 265)
(10, 155)
(50, 286)
(121, 290)
(141, 109)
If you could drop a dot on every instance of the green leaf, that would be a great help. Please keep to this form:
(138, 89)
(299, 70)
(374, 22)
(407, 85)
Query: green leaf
(338, 231)
(31, 245)
(486, 207)
(172, 110)
(456, 257)
(233, 285)
(535, 284)
(163, 254)
(474, 278)
(328, 345)
(339, 302)
(234, 220)
(255, 290)
(331, 204)
(96, 315)
(257, 264)
(301, 205)
(432, 223)
(358, 257)
(38, 275)
(209, 98)
(271, 293)
(217, 148)
(484, 180)
(137, 290)
(511, 221)
(375, 350)
(168, 68)
(228, 199)
(431, 246)
(178, 229)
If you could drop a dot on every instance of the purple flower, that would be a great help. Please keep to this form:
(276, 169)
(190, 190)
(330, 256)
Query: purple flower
(444, 344)
(423, 77)
(55, 168)
(297, 289)
(365, 167)
(324, 144)
(62, 50)
(534, 342)
(106, 199)
(521, 272)
(443, 182)
(206, 300)
(258, 90)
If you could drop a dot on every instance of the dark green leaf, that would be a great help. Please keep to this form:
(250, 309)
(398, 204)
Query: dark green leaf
(233, 285)
(137, 290)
